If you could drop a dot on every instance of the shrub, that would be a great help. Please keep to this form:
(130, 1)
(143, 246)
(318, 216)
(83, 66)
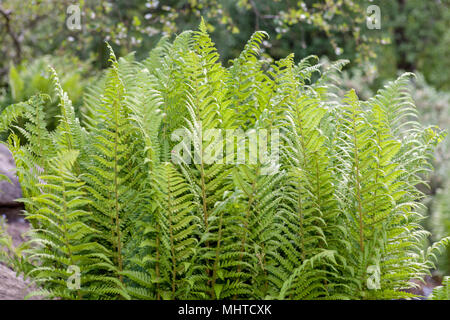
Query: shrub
(331, 212)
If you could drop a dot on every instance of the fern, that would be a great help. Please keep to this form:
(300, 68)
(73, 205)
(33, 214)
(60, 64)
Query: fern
(137, 194)
(441, 292)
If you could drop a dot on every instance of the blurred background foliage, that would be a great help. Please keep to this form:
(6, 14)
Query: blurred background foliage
(414, 36)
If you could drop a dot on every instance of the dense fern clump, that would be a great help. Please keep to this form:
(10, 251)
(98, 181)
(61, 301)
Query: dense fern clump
(125, 204)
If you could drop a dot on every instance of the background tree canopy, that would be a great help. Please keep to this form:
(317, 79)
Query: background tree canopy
(414, 34)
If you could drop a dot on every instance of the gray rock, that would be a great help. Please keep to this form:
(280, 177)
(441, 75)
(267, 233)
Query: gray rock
(13, 287)
(9, 192)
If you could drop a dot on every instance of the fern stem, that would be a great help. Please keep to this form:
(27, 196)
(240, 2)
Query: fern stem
(172, 244)
(66, 240)
(38, 124)
(116, 195)
(216, 261)
(358, 187)
(300, 202)
(158, 230)
(247, 218)
(204, 199)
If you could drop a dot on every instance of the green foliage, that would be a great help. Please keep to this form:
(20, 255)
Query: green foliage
(137, 25)
(335, 217)
(442, 292)
(29, 79)
(417, 44)
(9, 254)
(432, 107)
(407, 40)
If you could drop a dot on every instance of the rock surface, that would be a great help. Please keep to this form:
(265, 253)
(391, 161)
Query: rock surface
(12, 287)
(9, 192)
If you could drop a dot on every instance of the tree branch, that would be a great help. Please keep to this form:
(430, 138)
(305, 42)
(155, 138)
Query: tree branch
(6, 14)
(257, 14)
